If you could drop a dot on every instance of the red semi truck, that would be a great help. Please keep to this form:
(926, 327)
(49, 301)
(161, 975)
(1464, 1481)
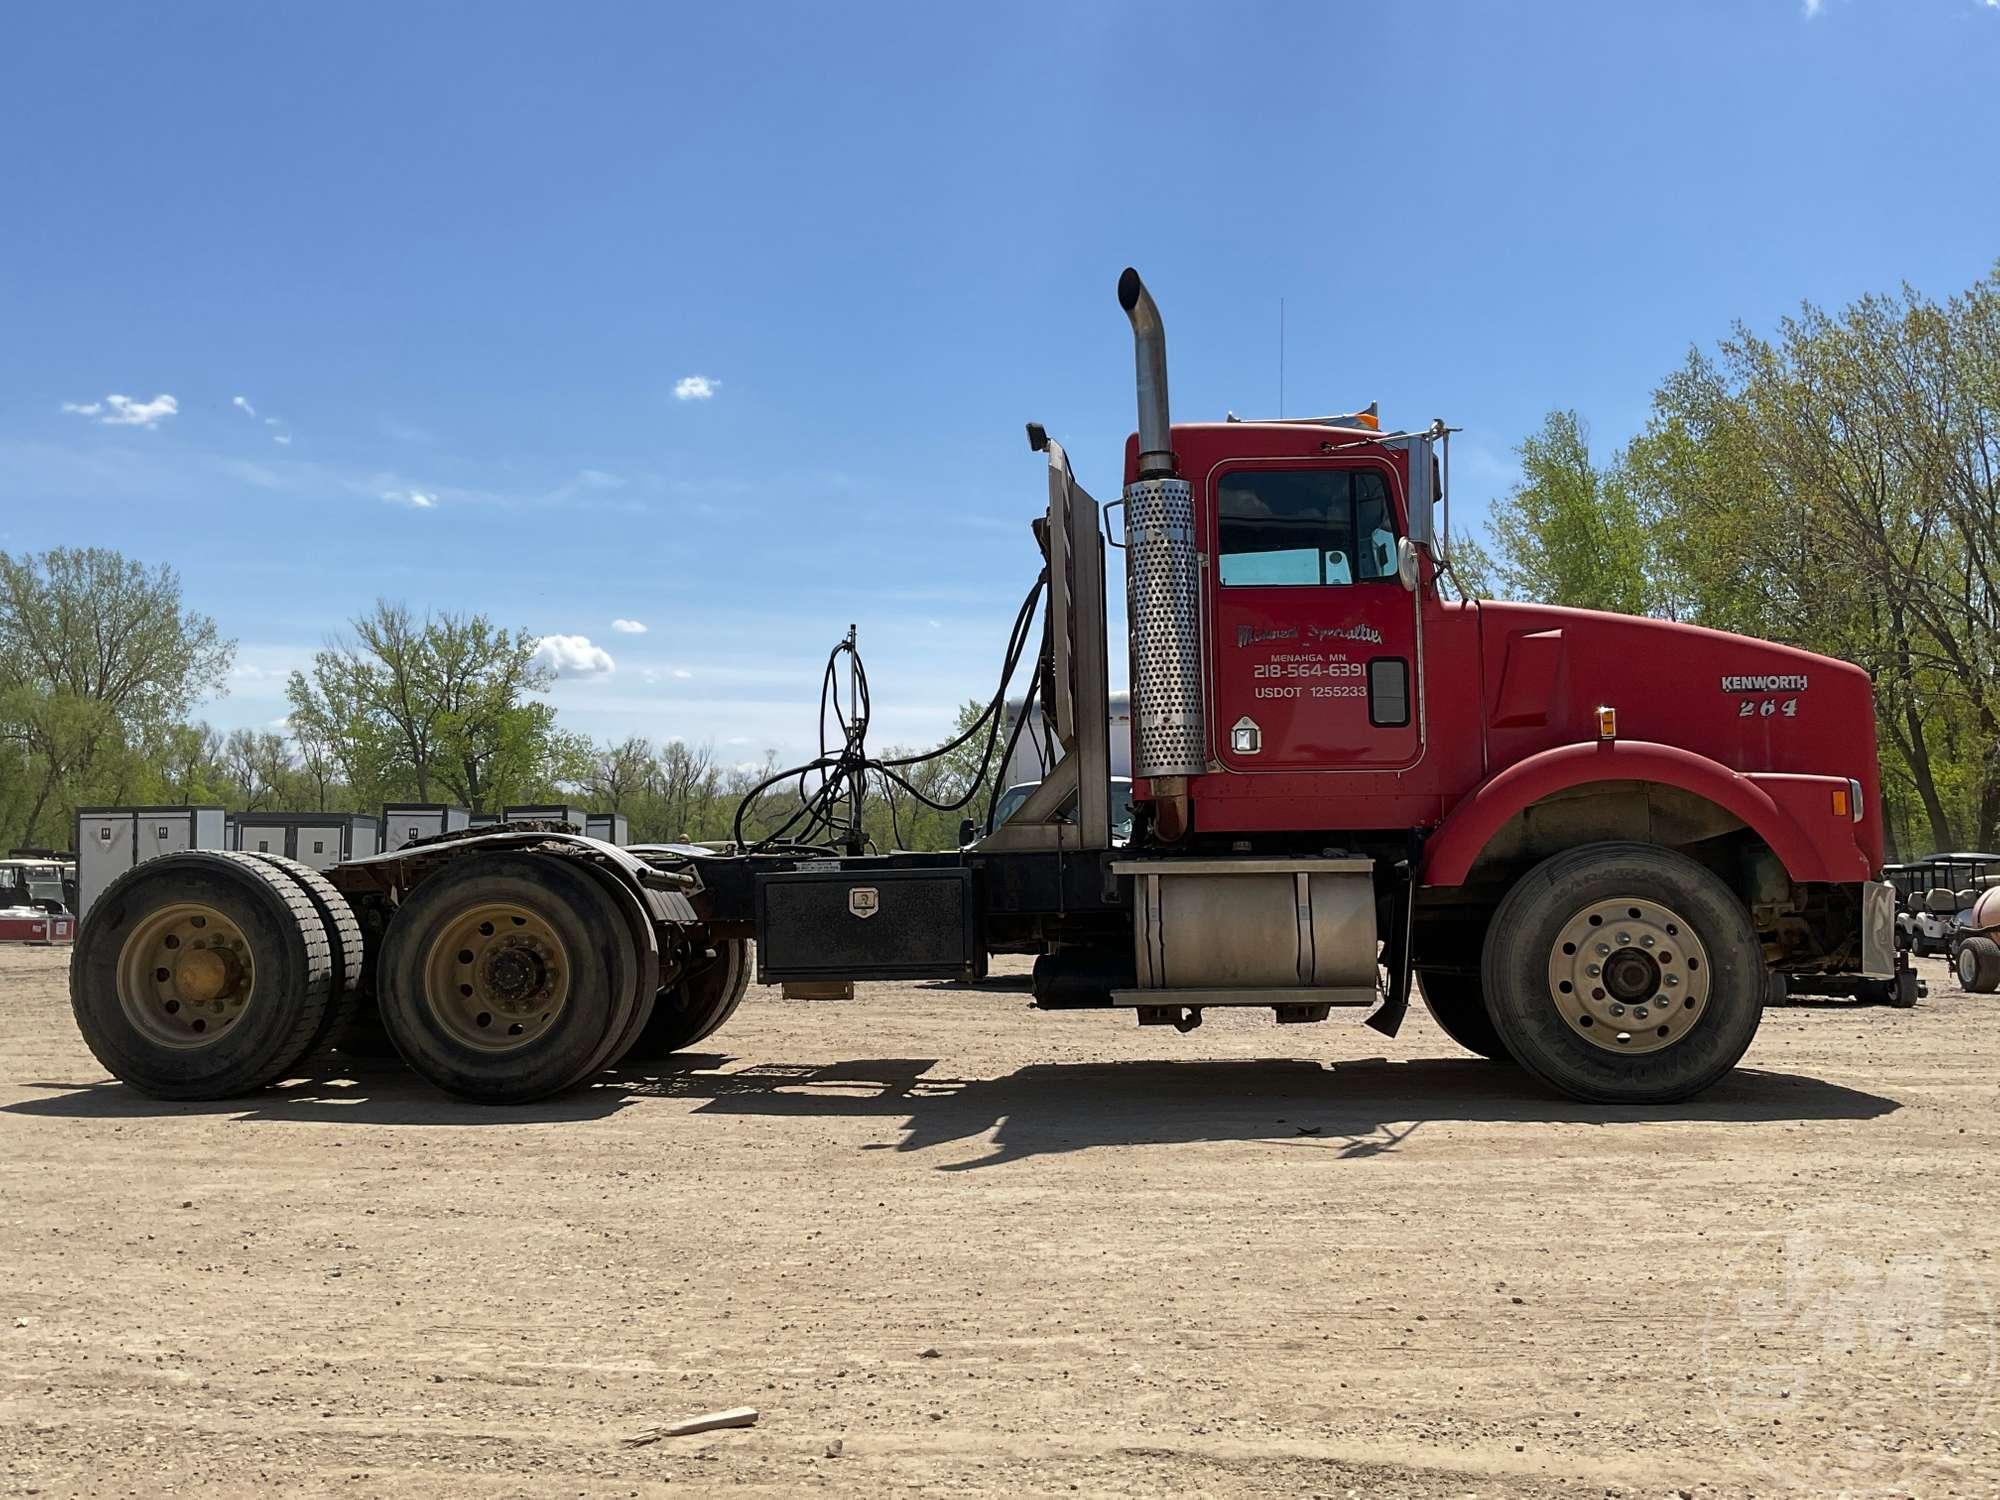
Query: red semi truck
(1594, 844)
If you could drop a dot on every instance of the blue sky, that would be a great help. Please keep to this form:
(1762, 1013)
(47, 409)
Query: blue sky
(463, 264)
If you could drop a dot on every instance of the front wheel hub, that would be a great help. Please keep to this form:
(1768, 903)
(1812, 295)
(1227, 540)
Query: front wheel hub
(1629, 974)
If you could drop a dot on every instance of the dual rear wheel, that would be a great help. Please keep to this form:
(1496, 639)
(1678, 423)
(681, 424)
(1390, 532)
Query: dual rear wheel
(203, 975)
(502, 978)
(516, 976)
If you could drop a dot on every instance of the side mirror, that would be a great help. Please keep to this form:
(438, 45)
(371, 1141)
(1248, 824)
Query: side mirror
(1422, 491)
(968, 831)
(1406, 563)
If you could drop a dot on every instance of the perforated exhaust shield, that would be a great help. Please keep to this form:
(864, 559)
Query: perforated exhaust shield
(1163, 604)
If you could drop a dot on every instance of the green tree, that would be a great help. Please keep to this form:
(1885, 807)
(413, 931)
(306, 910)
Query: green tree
(1836, 484)
(437, 707)
(1570, 533)
(96, 651)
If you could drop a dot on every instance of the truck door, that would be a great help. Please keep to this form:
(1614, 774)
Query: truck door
(1314, 666)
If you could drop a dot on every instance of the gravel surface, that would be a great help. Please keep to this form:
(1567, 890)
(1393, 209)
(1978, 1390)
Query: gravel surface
(946, 1244)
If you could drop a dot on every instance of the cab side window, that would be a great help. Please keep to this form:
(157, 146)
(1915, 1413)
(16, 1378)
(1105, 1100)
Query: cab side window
(1299, 527)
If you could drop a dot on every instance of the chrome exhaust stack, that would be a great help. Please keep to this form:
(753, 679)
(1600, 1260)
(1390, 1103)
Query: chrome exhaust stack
(1163, 594)
(1149, 345)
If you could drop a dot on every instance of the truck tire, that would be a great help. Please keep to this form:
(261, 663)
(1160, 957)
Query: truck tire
(743, 968)
(1624, 974)
(696, 1004)
(343, 940)
(645, 948)
(1978, 965)
(507, 977)
(1458, 1004)
(200, 976)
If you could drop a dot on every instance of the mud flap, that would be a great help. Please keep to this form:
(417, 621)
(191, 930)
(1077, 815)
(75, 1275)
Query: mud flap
(1388, 1018)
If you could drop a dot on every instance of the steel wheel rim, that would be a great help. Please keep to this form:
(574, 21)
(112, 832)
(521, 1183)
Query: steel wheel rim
(497, 977)
(1967, 966)
(185, 976)
(1629, 974)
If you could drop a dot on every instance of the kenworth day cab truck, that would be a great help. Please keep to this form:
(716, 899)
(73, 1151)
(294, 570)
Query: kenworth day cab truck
(1592, 842)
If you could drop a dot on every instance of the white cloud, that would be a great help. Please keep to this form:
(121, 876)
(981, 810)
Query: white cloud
(242, 404)
(574, 656)
(1813, 8)
(695, 388)
(415, 499)
(629, 627)
(682, 673)
(282, 439)
(123, 411)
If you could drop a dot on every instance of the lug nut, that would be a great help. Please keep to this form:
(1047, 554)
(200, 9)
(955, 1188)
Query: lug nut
(1673, 979)
(1640, 1013)
(1592, 970)
(1617, 1010)
(1603, 950)
(1646, 941)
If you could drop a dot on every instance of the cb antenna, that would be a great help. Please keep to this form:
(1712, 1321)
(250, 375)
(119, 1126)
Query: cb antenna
(1281, 356)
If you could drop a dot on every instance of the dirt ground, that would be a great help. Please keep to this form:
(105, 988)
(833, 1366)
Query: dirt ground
(947, 1244)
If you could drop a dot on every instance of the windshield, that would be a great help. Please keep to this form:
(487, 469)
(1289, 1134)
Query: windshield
(1304, 527)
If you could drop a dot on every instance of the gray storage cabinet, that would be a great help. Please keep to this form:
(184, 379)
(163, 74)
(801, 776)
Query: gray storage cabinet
(404, 821)
(111, 840)
(576, 817)
(611, 827)
(321, 840)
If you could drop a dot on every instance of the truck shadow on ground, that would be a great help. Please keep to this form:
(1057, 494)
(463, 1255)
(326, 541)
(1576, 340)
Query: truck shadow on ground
(1352, 1109)
(1342, 1110)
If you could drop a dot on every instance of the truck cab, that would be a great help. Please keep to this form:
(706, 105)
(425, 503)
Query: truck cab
(1306, 686)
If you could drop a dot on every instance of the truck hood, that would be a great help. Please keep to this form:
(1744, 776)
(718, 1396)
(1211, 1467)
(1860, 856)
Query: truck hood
(1751, 705)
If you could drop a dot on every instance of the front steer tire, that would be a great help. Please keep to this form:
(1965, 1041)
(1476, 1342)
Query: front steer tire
(1624, 973)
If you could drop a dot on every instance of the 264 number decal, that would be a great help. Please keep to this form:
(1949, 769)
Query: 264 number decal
(1749, 708)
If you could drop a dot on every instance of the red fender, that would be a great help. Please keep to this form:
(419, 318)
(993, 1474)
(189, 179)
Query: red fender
(1471, 825)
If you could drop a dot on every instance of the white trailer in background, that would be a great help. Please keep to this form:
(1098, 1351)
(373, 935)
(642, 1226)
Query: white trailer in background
(609, 826)
(406, 822)
(111, 840)
(321, 840)
(1026, 764)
